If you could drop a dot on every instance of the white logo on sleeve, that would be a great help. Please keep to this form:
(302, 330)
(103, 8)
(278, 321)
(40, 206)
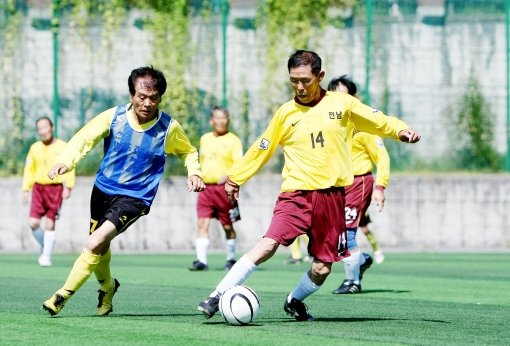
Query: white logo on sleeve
(264, 144)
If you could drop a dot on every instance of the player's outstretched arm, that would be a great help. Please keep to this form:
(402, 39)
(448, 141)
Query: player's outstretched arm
(409, 136)
(195, 184)
(58, 169)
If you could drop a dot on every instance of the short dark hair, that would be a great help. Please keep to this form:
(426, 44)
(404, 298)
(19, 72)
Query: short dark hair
(157, 77)
(349, 84)
(44, 118)
(219, 108)
(304, 58)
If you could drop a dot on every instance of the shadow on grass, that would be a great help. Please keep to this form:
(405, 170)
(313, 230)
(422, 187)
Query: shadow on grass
(384, 291)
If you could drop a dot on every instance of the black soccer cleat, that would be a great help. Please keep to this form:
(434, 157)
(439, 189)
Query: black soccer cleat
(297, 309)
(230, 263)
(366, 265)
(209, 306)
(198, 266)
(347, 287)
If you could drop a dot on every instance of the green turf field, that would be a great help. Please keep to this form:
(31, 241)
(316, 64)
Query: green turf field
(413, 299)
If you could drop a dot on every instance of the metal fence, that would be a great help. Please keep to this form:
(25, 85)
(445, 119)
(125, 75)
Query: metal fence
(411, 58)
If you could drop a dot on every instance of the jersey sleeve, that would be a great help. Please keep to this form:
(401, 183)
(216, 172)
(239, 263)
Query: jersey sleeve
(371, 120)
(86, 139)
(179, 145)
(380, 157)
(29, 171)
(259, 152)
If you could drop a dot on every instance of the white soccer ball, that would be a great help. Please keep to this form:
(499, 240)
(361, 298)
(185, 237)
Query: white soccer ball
(239, 305)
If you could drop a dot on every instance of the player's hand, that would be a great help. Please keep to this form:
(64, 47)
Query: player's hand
(66, 193)
(378, 198)
(58, 169)
(195, 184)
(25, 197)
(232, 190)
(409, 136)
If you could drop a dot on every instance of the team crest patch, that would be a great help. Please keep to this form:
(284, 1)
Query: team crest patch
(264, 144)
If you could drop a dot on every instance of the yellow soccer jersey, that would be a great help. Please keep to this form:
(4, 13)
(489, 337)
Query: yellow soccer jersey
(369, 150)
(176, 142)
(217, 154)
(39, 161)
(316, 142)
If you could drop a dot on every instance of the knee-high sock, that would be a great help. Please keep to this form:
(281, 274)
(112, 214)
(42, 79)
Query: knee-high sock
(372, 241)
(202, 245)
(39, 235)
(351, 266)
(239, 273)
(49, 242)
(102, 271)
(84, 265)
(231, 249)
(305, 288)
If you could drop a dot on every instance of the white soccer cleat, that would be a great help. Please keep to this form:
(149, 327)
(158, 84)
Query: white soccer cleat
(44, 261)
(378, 257)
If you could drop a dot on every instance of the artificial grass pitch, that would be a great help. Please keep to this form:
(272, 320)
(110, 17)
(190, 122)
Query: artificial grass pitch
(418, 299)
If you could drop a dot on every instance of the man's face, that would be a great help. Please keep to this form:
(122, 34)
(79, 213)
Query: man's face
(219, 122)
(146, 100)
(342, 88)
(305, 84)
(45, 130)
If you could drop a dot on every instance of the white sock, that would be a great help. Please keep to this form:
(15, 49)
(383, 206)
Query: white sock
(231, 249)
(239, 273)
(351, 265)
(305, 288)
(202, 247)
(49, 241)
(39, 235)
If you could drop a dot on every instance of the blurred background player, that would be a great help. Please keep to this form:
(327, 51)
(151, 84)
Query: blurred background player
(47, 194)
(219, 149)
(315, 131)
(367, 150)
(296, 251)
(372, 240)
(137, 138)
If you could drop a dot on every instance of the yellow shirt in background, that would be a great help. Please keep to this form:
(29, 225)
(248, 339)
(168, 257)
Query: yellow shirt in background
(369, 150)
(39, 161)
(217, 154)
(316, 142)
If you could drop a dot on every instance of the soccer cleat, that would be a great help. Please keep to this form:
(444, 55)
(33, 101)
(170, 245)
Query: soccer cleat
(365, 266)
(347, 287)
(209, 306)
(378, 257)
(104, 305)
(297, 309)
(230, 264)
(54, 304)
(198, 266)
(292, 260)
(44, 261)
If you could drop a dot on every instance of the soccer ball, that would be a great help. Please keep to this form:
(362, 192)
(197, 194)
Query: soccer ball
(239, 305)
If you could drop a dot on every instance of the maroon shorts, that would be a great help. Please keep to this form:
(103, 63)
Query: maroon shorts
(46, 200)
(213, 203)
(319, 214)
(357, 199)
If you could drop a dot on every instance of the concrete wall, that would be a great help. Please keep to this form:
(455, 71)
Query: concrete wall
(423, 213)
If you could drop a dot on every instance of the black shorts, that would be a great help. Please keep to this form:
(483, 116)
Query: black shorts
(122, 211)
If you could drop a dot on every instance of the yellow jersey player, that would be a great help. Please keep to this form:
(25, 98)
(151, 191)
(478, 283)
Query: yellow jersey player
(137, 138)
(315, 131)
(218, 150)
(47, 194)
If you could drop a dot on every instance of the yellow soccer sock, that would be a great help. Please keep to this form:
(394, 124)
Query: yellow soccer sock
(102, 271)
(295, 249)
(83, 267)
(372, 241)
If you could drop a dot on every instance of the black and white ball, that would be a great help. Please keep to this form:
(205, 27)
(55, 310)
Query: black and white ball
(239, 305)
